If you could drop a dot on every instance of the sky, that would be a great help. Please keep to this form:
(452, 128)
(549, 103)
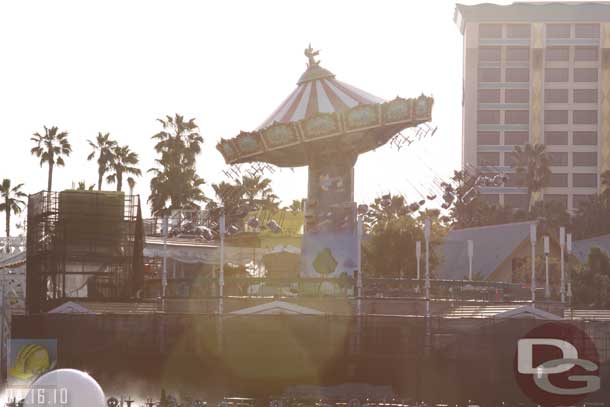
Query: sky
(116, 66)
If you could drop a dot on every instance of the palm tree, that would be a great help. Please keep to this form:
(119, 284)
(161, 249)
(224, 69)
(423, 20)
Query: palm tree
(183, 194)
(82, 186)
(123, 161)
(50, 147)
(103, 146)
(131, 182)
(296, 206)
(605, 187)
(257, 191)
(532, 163)
(179, 139)
(10, 203)
(229, 196)
(175, 184)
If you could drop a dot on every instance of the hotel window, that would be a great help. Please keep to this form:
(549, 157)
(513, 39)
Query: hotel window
(558, 180)
(558, 30)
(584, 138)
(555, 117)
(516, 95)
(485, 159)
(556, 74)
(556, 138)
(585, 95)
(586, 30)
(489, 54)
(515, 180)
(516, 116)
(492, 199)
(517, 54)
(584, 116)
(580, 199)
(488, 138)
(488, 117)
(515, 138)
(489, 75)
(584, 180)
(588, 159)
(510, 160)
(559, 198)
(518, 30)
(489, 96)
(586, 54)
(517, 75)
(585, 74)
(557, 54)
(490, 30)
(557, 159)
(519, 201)
(555, 96)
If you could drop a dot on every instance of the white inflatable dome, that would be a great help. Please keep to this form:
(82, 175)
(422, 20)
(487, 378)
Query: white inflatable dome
(65, 388)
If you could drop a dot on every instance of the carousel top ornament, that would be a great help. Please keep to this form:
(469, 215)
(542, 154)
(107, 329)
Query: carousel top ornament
(310, 54)
(324, 117)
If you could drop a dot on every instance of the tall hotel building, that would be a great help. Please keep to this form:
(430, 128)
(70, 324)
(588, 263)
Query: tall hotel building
(537, 73)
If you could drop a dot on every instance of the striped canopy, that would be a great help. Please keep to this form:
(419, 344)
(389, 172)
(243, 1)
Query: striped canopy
(324, 116)
(318, 92)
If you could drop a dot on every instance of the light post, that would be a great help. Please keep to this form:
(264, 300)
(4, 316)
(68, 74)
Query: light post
(418, 258)
(359, 276)
(221, 277)
(562, 243)
(427, 284)
(569, 250)
(547, 287)
(470, 255)
(533, 243)
(164, 274)
(5, 324)
(3, 334)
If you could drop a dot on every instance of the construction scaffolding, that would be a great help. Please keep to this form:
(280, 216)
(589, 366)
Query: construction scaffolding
(82, 244)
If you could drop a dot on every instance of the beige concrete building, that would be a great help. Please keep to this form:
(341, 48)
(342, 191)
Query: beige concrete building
(537, 73)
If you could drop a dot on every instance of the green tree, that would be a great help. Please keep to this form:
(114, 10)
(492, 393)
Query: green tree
(257, 191)
(592, 218)
(389, 249)
(384, 209)
(123, 161)
(467, 208)
(523, 273)
(552, 214)
(230, 199)
(591, 282)
(103, 146)
(531, 162)
(175, 184)
(50, 148)
(296, 206)
(11, 202)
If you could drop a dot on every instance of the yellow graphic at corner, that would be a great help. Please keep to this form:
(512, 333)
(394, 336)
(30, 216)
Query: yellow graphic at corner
(32, 360)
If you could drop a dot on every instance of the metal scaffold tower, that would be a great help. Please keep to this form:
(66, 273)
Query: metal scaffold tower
(82, 244)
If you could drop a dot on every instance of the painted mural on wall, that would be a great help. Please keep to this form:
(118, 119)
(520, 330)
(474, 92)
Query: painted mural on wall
(330, 244)
(28, 359)
(329, 254)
